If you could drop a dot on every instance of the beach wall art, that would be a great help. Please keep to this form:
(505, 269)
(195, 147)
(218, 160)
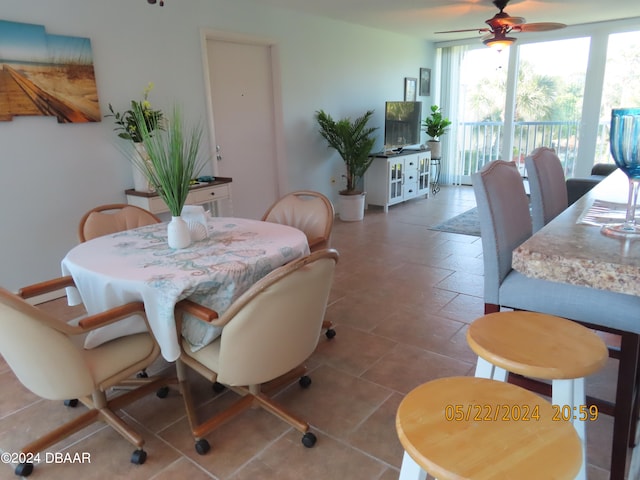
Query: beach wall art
(44, 74)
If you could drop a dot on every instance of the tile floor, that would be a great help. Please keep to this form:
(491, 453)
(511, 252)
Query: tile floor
(401, 301)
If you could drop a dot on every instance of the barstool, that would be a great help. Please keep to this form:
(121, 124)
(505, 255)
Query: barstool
(543, 347)
(477, 428)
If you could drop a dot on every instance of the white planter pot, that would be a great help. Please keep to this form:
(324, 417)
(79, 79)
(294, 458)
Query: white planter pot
(178, 234)
(435, 148)
(351, 207)
(140, 182)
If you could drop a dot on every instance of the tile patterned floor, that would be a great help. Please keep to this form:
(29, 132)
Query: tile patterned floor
(401, 302)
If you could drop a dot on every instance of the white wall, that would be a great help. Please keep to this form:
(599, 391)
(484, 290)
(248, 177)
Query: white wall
(51, 173)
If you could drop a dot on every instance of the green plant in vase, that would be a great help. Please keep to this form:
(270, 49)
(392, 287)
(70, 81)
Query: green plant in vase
(127, 128)
(174, 160)
(127, 123)
(436, 125)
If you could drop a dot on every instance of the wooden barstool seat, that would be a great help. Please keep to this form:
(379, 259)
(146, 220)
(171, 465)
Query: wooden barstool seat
(544, 347)
(477, 428)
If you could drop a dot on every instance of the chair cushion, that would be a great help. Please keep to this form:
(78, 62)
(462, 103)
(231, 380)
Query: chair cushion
(111, 359)
(209, 356)
(582, 304)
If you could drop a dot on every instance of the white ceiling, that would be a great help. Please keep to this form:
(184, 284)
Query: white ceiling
(421, 18)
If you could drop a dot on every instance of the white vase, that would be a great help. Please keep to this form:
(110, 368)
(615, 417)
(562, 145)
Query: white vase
(178, 235)
(140, 181)
(351, 207)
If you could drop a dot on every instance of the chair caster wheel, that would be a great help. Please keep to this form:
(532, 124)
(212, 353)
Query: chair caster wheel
(309, 439)
(73, 402)
(24, 469)
(162, 392)
(218, 387)
(142, 374)
(202, 446)
(304, 381)
(139, 457)
(330, 333)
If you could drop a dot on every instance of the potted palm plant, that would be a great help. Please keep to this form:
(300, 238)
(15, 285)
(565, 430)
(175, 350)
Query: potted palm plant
(353, 141)
(436, 125)
(174, 161)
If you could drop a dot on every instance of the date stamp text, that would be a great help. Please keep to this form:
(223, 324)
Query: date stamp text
(517, 413)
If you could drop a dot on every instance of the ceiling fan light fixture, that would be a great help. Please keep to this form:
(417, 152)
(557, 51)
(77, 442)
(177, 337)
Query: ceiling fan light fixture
(499, 42)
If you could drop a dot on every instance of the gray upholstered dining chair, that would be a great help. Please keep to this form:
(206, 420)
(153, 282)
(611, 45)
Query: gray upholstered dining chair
(269, 331)
(41, 351)
(547, 186)
(505, 223)
(112, 218)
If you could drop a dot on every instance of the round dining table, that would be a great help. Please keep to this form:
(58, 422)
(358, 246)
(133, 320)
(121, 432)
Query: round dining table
(138, 265)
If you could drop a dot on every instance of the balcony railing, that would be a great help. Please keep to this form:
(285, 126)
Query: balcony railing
(481, 142)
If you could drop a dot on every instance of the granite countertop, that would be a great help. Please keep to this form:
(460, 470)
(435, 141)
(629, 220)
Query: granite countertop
(571, 252)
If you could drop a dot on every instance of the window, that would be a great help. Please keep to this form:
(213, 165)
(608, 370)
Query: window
(620, 87)
(483, 80)
(559, 94)
(549, 96)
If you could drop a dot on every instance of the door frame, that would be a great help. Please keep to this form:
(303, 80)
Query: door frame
(207, 34)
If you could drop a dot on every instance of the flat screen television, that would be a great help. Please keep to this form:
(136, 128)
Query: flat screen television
(402, 122)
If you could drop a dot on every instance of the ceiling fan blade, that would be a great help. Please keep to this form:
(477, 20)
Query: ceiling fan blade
(538, 27)
(504, 20)
(479, 30)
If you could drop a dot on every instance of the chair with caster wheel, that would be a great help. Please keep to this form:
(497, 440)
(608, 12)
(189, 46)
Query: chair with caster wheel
(113, 218)
(41, 352)
(268, 333)
(312, 213)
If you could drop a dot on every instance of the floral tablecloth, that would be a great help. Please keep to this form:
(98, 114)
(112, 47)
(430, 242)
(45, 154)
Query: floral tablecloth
(138, 265)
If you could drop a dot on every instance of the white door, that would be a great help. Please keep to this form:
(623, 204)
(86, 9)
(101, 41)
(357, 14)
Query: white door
(242, 103)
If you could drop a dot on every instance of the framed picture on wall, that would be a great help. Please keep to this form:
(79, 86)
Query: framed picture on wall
(410, 87)
(425, 82)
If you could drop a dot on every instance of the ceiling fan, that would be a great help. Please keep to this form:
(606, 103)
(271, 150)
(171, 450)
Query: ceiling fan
(502, 24)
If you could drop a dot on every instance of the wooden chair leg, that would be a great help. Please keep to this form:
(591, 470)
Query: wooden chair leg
(242, 404)
(491, 308)
(276, 409)
(625, 395)
(61, 432)
(636, 408)
(283, 380)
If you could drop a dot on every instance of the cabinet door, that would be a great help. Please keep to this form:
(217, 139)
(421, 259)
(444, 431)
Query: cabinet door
(424, 163)
(396, 179)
